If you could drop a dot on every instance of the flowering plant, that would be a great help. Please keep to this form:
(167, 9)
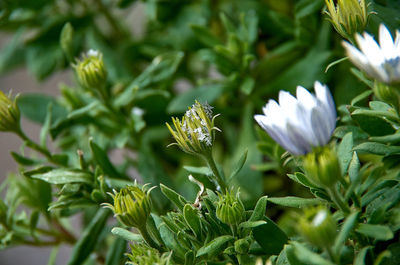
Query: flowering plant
(312, 180)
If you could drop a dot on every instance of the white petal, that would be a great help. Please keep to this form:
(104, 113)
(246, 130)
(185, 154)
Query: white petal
(320, 126)
(386, 43)
(370, 49)
(397, 43)
(299, 139)
(324, 95)
(305, 98)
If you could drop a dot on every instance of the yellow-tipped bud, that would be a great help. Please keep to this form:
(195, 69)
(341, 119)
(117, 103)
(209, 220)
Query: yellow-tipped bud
(348, 16)
(91, 70)
(318, 226)
(195, 133)
(9, 114)
(230, 209)
(322, 167)
(132, 206)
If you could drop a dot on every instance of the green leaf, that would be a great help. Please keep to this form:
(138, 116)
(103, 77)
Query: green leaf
(101, 159)
(89, 238)
(379, 232)
(347, 228)
(247, 85)
(214, 247)
(302, 255)
(115, 254)
(206, 93)
(205, 36)
(301, 179)
(345, 152)
(270, 237)
(259, 209)
(296, 202)
(361, 97)
(126, 234)
(22, 160)
(161, 68)
(362, 77)
(252, 224)
(192, 218)
(63, 176)
(377, 149)
(239, 165)
(360, 258)
(373, 122)
(174, 197)
(34, 106)
(206, 171)
(53, 256)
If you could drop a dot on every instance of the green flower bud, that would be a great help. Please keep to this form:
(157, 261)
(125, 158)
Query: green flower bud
(242, 246)
(322, 166)
(143, 254)
(9, 114)
(66, 40)
(230, 209)
(348, 16)
(387, 94)
(91, 70)
(318, 226)
(132, 206)
(194, 134)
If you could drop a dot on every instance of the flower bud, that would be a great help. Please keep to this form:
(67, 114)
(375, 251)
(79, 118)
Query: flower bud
(132, 206)
(91, 70)
(9, 114)
(194, 134)
(322, 166)
(143, 254)
(348, 16)
(318, 226)
(230, 209)
(387, 94)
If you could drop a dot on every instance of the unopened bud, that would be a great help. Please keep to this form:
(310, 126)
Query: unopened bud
(91, 70)
(318, 226)
(348, 16)
(132, 206)
(242, 246)
(9, 114)
(322, 166)
(230, 209)
(195, 133)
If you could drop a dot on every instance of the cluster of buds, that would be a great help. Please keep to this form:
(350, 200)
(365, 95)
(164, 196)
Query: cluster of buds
(143, 254)
(318, 226)
(194, 134)
(230, 209)
(132, 205)
(322, 167)
(348, 16)
(9, 114)
(91, 70)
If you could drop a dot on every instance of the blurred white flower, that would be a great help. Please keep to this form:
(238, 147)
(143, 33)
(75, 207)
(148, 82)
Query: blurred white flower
(381, 62)
(299, 124)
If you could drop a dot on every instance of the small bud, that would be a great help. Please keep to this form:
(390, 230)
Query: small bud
(322, 166)
(318, 226)
(143, 254)
(194, 134)
(230, 209)
(9, 114)
(387, 94)
(348, 16)
(91, 70)
(132, 206)
(242, 246)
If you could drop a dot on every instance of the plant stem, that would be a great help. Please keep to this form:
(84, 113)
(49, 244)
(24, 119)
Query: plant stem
(337, 199)
(37, 147)
(211, 164)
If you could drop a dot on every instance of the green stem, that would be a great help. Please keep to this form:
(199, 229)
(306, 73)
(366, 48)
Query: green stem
(211, 164)
(37, 147)
(337, 199)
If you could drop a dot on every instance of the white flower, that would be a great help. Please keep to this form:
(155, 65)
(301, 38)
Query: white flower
(299, 124)
(380, 62)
